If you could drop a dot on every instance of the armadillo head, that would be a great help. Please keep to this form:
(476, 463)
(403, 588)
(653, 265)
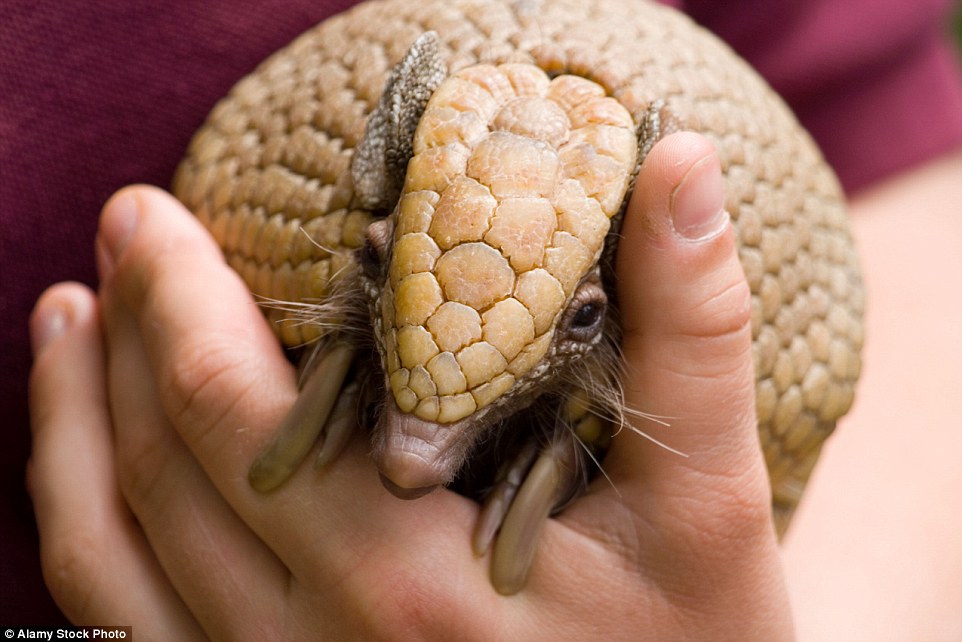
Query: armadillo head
(485, 275)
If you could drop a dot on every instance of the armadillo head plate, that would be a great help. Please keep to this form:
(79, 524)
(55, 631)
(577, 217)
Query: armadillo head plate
(484, 279)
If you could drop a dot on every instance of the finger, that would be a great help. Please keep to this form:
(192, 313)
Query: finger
(207, 341)
(224, 386)
(224, 572)
(96, 561)
(685, 306)
(697, 526)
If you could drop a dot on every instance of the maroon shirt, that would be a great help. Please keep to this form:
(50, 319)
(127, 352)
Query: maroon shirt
(93, 98)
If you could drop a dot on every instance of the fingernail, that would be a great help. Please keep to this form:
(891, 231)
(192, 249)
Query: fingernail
(697, 204)
(119, 222)
(49, 322)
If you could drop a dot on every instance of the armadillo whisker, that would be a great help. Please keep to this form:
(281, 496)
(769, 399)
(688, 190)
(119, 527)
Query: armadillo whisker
(661, 420)
(642, 433)
(610, 405)
(302, 313)
(340, 312)
(322, 247)
(300, 428)
(607, 394)
(343, 271)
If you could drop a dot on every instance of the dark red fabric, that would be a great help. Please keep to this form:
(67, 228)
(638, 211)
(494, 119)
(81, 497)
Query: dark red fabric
(94, 96)
(877, 82)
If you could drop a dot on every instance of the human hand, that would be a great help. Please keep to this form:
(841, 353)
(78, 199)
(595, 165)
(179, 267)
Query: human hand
(161, 530)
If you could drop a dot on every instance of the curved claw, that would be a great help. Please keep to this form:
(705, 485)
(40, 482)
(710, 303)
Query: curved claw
(526, 494)
(498, 501)
(302, 425)
(548, 483)
(340, 425)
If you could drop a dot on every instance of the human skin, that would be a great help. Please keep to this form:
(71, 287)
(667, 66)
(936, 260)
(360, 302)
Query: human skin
(143, 434)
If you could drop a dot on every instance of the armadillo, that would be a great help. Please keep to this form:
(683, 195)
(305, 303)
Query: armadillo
(429, 194)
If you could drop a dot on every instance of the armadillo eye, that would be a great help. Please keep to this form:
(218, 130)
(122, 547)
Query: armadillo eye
(586, 313)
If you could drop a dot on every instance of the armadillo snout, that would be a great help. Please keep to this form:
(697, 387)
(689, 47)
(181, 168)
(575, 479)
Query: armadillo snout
(414, 455)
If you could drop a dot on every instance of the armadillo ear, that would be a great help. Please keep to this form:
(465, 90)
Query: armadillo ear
(381, 158)
(656, 123)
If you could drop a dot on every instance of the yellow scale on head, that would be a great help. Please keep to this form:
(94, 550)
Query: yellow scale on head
(505, 208)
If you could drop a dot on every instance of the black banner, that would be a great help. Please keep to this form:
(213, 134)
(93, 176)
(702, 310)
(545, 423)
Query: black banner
(67, 633)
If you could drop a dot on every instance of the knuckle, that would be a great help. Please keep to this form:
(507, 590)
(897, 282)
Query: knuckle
(424, 608)
(199, 383)
(200, 372)
(729, 516)
(71, 570)
(746, 513)
(722, 315)
(140, 466)
(731, 309)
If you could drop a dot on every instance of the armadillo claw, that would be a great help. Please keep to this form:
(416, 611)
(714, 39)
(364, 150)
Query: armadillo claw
(549, 482)
(340, 425)
(535, 484)
(300, 428)
(498, 501)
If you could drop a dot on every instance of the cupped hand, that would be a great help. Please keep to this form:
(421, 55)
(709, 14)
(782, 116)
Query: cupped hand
(144, 433)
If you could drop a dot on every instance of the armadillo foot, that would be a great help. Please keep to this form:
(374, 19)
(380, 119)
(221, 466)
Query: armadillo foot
(319, 404)
(498, 501)
(551, 480)
(538, 481)
(340, 425)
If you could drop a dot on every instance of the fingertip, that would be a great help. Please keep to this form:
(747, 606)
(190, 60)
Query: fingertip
(143, 227)
(677, 262)
(685, 304)
(124, 210)
(697, 206)
(119, 221)
(68, 356)
(679, 193)
(59, 308)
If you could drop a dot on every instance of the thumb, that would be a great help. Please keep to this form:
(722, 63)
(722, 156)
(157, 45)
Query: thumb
(686, 312)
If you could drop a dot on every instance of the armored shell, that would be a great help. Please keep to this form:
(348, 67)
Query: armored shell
(506, 184)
